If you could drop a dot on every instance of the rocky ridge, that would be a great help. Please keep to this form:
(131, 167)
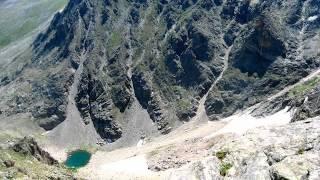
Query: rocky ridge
(285, 152)
(24, 159)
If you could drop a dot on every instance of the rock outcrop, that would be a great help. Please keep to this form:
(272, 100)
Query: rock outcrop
(28, 146)
(286, 152)
(26, 160)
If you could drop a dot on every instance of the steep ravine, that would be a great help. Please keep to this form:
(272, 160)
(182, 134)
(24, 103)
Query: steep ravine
(140, 125)
(201, 114)
(302, 33)
(67, 133)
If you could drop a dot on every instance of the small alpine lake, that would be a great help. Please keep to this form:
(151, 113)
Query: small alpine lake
(77, 159)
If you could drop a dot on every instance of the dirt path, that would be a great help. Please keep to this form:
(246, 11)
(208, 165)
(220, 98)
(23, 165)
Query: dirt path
(201, 112)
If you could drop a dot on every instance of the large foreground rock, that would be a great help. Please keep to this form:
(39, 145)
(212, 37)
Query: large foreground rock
(286, 152)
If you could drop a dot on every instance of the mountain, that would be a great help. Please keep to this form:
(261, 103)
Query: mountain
(103, 58)
(111, 72)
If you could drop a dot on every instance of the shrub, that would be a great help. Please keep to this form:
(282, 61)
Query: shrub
(221, 154)
(224, 168)
(301, 151)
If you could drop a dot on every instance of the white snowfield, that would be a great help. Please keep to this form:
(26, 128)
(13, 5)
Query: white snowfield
(242, 122)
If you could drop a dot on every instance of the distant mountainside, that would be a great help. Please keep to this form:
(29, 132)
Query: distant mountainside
(19, 18)
(133, 68)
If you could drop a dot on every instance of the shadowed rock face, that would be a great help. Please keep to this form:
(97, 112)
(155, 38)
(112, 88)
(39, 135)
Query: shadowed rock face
(28, 146)
(259, 51)
(23, 157)
(164, 54)
(93, 107)
(186, 51)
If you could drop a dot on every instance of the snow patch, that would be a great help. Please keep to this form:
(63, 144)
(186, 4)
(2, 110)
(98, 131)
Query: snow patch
(312, 18)
(140, 143)
(241, 123)
(61, 10)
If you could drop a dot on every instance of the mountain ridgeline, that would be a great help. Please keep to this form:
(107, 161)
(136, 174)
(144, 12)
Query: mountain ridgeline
(102, 56)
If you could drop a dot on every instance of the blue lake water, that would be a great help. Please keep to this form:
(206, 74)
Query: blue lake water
(78, 159)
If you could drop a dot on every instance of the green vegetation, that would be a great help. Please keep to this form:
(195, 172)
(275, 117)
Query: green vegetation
(115, 40)
(149, 25)
(224, 168)
(305, 87)
(221, 154)
(301, 151)
(27, 166)
(184, 104)
(21, 18)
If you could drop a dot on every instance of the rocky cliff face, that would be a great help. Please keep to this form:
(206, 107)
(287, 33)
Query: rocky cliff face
(98, 57)
(28, 146)
(24, 159)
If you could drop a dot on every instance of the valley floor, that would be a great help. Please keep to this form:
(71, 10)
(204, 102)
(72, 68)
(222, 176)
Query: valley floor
(177, 158)
(159, 157)
(166, 156)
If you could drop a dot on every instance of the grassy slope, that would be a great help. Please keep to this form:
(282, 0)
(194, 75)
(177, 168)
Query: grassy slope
(304, 88)
(18, 18)
(26, 166)
(29, 167)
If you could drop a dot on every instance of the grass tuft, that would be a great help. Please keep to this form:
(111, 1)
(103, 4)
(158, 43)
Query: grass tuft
(305, 87)
(301, 151)
(224, 168)
(221, 154)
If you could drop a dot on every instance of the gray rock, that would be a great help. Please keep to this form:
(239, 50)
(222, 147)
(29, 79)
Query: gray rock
(285, 152)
